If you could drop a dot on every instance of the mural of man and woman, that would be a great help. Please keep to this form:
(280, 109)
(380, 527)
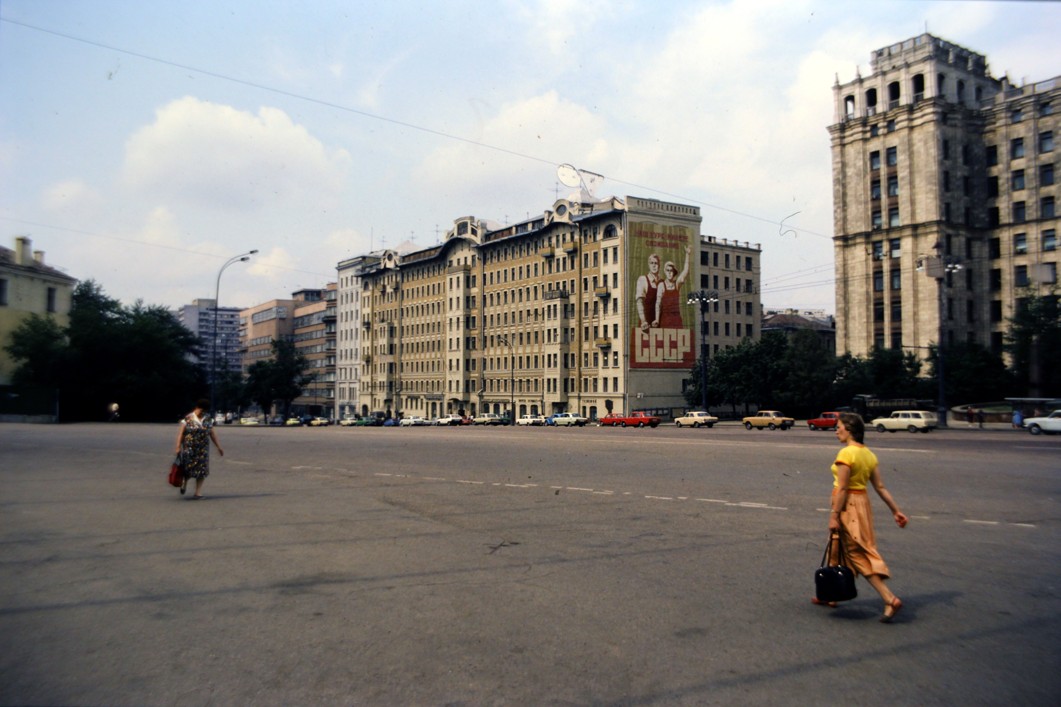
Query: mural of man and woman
(658, 301)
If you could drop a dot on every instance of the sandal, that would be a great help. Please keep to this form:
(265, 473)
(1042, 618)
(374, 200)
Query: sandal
(890, 610)
(818, 602)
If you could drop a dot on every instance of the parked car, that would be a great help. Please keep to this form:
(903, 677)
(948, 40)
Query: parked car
(569, 419)
(770, 419)
(249, 421)
(1051, 424)
(634, 419)
(292, 422)
(412, 421)
(319, 422)
(696, 418)
(910, 420)
(488, 418)
(825, 421)
(348, 421)
(369, 421)
(447, 420)
(531, 420)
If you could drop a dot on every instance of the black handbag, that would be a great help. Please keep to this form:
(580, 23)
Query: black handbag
(834, 582)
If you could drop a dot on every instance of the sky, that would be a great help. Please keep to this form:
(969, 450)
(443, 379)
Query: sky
(143, 145)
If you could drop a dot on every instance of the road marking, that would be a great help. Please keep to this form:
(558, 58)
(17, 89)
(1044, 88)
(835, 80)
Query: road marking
(433, 478)
(234, 462)
(659, 498)
(981, 522)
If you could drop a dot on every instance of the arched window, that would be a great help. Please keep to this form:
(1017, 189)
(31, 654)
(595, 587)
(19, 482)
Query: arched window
(849, 107)
(961, 92)
(919, 87)
(871, 102)
(941, 86)
(893, 95)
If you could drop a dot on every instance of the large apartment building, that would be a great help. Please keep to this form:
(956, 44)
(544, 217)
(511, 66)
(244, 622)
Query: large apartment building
(314, 336)
(583, 308)
(944, 198)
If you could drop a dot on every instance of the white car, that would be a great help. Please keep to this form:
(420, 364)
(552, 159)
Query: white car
(412, 421)
(1051, 424)
(910, 420)
(696, 418)
(447, 420)
(533, 420)
(569, 419)
(488, 418)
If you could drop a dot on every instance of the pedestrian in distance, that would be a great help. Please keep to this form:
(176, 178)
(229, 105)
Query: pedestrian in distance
(193, 446)
(1018, 419)
(851, 516)
(980, 418)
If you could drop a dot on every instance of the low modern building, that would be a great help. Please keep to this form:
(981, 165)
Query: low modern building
(28, 286)
(585, 308)
(260, 325)
(944, 198)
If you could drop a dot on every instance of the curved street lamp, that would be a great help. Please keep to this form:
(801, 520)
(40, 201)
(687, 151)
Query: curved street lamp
(704, 298)
(241, 258)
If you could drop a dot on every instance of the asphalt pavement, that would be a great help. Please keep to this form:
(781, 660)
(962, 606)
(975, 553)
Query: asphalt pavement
(423, 566)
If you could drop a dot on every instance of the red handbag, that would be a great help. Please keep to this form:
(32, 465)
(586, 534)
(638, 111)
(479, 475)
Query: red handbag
(176, 472)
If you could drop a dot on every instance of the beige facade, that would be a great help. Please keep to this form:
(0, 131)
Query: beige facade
(544, 315)
(944, 198)
(27, 287)
(260, 325)
(314, 337)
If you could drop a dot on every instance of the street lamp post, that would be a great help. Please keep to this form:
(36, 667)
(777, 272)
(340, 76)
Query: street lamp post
(704, 298)
(941, 267)
(511, 381)
(241, 258)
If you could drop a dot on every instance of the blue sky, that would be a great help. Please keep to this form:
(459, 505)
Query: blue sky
(142, 144)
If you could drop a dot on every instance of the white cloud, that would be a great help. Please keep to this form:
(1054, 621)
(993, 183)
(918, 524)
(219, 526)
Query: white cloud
(217, 156)
(71, 195)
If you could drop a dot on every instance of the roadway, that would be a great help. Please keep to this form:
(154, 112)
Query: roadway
(518, 566)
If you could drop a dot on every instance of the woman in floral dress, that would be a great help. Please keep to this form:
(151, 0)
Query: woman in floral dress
(193, 444)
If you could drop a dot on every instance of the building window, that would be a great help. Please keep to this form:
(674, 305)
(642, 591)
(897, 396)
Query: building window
(878, 282)
(992, 187)
(3, 292)
(895, 247)
(1049, 241)
(1048, 273)
(1016, 148)
(897, 280)
(992, 155)
(892, 156)
(897, 339)
(874, 190)
(893, 218)
(1046, 141)
(996, 311)
(1046, 207)
(51, 300)
(994, 248)
(1020, 212)
(1017, 115)
(874, 160)
(874, 130)
(878, 250)
(878, 311)
(890, 126)
(1017, 180)
(897, 311)
(893, 186)
(876, 219)
(1020, 276)
(1046, 175)
(1020, 243)
(994, 280)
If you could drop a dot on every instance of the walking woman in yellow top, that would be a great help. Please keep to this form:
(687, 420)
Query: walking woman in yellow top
(851, 515)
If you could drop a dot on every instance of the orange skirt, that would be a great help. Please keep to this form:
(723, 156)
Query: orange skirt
(860, 544)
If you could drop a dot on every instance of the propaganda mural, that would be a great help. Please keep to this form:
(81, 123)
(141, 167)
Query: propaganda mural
(661, 331)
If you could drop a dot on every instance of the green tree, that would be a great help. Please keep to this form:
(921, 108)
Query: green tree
(1032, 341)
(810, 370)
(40, 344)
(278, 380)
(139, 357)
(973, 374)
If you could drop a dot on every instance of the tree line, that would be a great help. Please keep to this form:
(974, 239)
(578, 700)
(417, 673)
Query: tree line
(140, 357)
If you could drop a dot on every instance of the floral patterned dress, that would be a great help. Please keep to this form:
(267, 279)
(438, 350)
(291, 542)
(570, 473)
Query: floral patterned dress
(195, 446)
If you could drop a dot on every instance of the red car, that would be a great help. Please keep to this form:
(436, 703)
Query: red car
(637, 419)
(825, 421)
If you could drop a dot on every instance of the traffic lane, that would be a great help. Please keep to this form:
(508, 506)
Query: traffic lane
(331, 583)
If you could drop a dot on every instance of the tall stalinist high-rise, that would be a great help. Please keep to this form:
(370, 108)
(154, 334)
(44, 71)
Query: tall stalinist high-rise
(944, 198)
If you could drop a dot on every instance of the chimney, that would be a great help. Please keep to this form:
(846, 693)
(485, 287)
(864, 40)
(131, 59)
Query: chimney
(22, 250)
(38, 257)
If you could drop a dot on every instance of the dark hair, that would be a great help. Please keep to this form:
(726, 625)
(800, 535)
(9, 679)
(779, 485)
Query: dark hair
(202, 404)
(854, 425)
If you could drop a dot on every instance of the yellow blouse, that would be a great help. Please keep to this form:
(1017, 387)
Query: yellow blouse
(861, 461)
